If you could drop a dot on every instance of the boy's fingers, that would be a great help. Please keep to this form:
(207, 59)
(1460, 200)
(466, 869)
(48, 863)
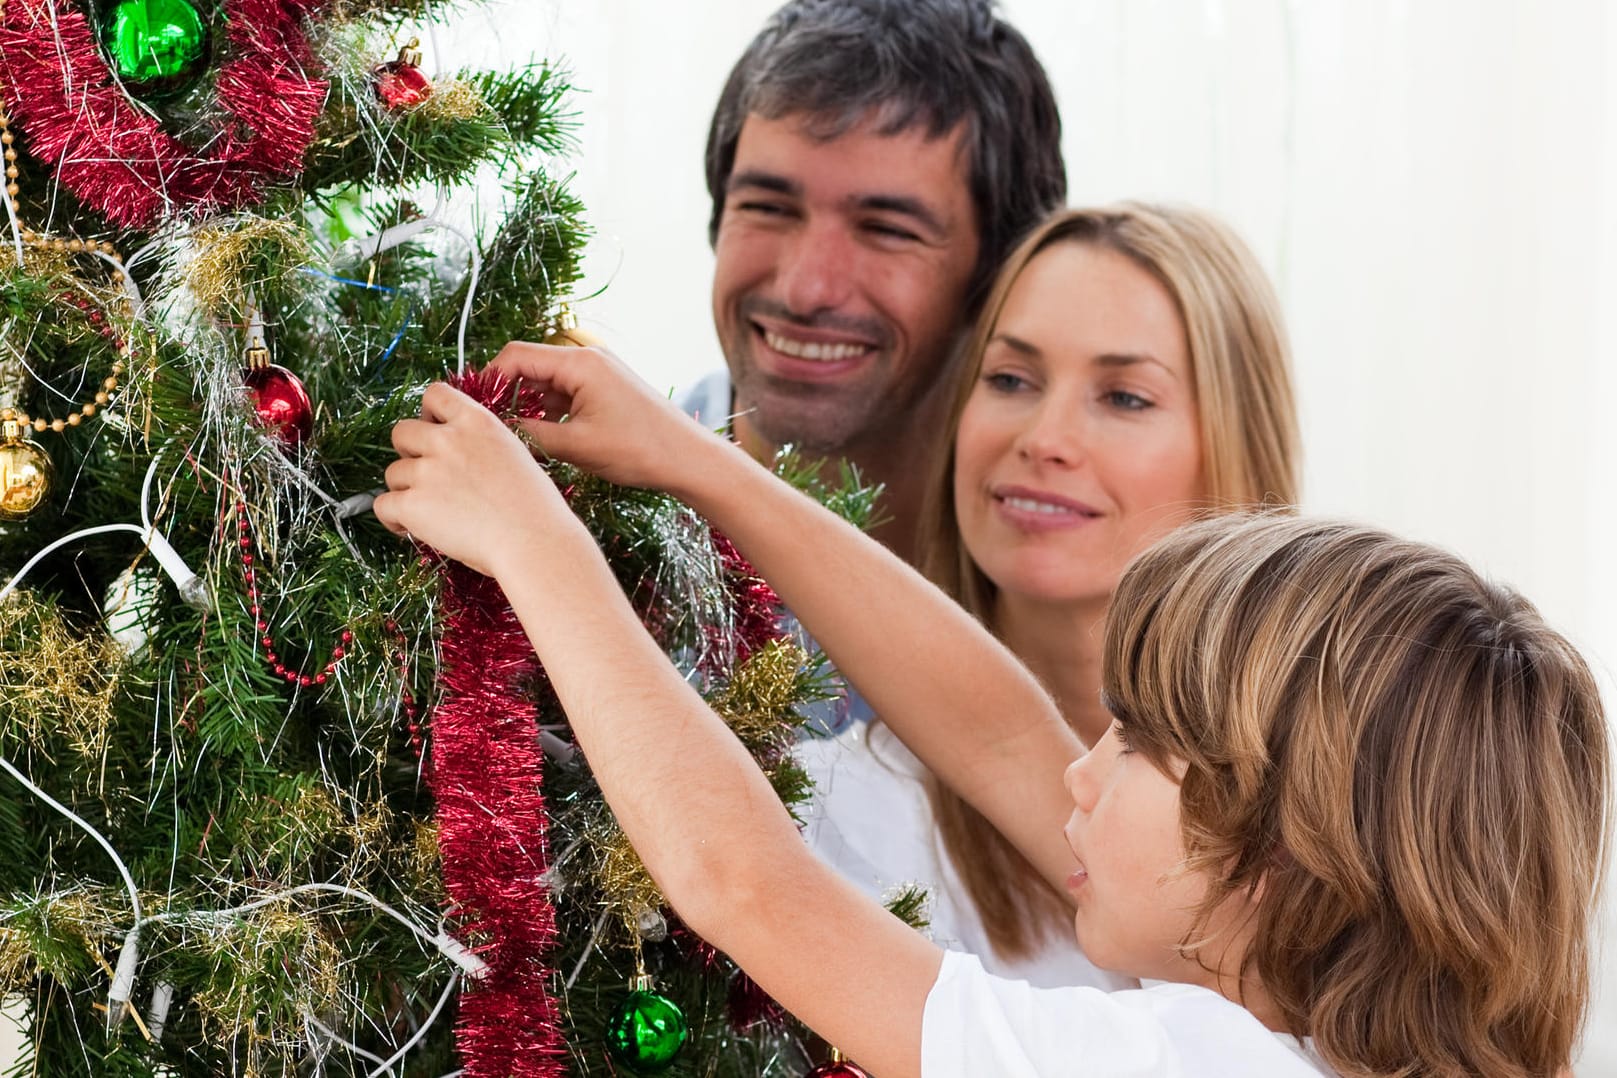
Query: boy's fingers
(398, 475)
(531, 362)
(552, 439)
(387, 511)
(411, 437)
(555, 403)
(442, 403)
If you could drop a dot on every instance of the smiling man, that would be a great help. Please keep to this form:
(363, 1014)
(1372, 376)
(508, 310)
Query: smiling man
(870, 163)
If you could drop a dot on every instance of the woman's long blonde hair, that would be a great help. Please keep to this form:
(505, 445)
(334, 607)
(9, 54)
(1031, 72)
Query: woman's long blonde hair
(1400, 767)
(1241, 375)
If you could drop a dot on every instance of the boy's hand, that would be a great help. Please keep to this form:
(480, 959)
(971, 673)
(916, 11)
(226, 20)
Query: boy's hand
(616, 426)
(465, 485)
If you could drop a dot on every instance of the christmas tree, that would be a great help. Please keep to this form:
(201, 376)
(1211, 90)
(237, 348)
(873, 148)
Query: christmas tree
(286, 794)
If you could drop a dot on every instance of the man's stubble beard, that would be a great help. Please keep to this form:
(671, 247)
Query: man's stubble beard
(819, 421)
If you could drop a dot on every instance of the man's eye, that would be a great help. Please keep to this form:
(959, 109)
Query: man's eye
(763, 209)
(890, 231)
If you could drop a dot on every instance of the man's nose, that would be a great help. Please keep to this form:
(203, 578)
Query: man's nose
(816, 269)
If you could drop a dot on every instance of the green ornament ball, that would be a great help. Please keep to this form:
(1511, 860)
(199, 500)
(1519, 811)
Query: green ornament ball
(155, 46)
(646, 1032)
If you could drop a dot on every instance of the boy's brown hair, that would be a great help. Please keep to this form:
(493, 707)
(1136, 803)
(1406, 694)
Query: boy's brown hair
(1398, 763)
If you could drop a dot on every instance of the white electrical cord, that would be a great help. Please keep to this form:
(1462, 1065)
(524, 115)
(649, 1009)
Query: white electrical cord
(123, 870)
(336, 1038)
(443, 942)
(100, 529)
(389, 238)
(415, 1039)
(193, 589)
(123, 978)
(16, 229)
(385, 1066)
(131, 290)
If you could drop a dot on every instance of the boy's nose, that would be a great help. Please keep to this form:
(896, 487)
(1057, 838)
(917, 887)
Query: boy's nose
(1080, 783)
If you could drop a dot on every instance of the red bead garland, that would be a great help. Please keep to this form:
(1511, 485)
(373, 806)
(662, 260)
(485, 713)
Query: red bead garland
(407, 704)
(244, 540)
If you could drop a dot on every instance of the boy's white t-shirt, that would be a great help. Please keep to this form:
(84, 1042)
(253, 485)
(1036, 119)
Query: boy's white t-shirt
(976, 1024)
(871, 820)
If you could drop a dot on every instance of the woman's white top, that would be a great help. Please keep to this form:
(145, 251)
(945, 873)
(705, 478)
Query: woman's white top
(976, 1024)
(871, 820)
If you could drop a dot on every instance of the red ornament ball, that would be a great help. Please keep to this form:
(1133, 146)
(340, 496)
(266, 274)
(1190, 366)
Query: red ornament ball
(400, 85)
(282, 404)
(840, 1069)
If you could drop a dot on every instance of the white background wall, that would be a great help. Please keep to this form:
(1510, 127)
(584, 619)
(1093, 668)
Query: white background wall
(1432, 184)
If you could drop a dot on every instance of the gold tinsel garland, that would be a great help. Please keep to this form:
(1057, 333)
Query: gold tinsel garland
(221, 254)
(453, 100)
(54, 679)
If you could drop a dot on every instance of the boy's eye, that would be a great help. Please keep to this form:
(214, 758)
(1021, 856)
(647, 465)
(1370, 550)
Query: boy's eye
(1123, 745)
(763, 209)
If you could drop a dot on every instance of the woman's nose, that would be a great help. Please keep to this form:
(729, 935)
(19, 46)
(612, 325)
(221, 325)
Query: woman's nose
(1054, 435)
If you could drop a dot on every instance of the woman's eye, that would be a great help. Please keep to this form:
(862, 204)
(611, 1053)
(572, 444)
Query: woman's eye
(1004, 381)
(1132, 402)
(1122, 738)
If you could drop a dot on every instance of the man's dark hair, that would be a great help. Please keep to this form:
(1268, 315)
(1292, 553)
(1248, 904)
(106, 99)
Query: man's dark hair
(935, 63)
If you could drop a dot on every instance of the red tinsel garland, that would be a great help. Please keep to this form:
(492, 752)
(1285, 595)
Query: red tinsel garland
(755, 609)
(115, 157)
(485, 775)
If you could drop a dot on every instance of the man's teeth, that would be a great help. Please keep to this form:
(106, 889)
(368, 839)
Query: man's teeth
(1028, 505)
(813, 349)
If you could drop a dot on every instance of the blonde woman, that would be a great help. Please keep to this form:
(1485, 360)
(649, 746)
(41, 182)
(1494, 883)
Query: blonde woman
(1130, 371)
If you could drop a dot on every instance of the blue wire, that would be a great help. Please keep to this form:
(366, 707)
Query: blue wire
(409, 314)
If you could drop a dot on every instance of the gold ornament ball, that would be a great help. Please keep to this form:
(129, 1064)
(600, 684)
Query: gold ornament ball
(25, 478)
(573, 337)
(564, 331)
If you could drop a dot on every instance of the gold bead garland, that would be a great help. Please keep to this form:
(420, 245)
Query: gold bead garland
(33, 239)
(89, 408)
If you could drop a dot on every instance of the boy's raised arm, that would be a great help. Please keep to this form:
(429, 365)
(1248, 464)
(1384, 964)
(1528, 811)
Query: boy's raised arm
(954, 694)
(703, 817)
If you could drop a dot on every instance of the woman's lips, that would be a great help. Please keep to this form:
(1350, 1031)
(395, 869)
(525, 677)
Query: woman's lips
(1037, 510)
